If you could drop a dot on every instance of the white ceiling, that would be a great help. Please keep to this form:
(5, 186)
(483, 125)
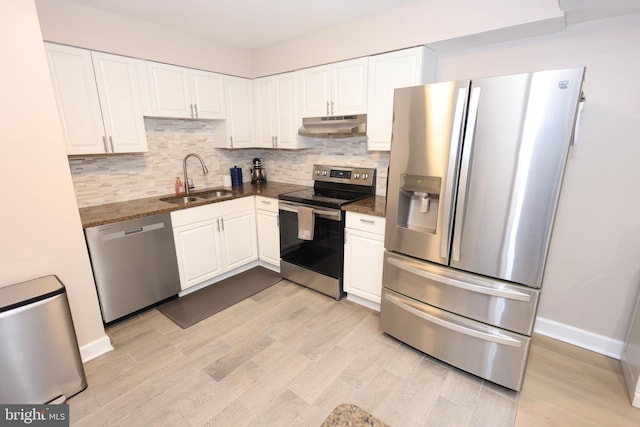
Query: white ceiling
(246, 24)
(252, 24)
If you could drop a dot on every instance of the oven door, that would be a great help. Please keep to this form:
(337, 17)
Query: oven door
(325, 253)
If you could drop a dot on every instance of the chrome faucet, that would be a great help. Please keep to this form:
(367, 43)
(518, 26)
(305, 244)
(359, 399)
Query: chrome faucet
(188, 186)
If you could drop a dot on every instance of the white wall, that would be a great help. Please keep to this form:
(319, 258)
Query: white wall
(40, 227)
(593, 270)
(66, 22)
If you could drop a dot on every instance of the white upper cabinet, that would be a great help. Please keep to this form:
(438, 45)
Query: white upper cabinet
(335, 89)
(387, 72)
(239, 123)
(276, 115)
(98, 99)
(184, 92)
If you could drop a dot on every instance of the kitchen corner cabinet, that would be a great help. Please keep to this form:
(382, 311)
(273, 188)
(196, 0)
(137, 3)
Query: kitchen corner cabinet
(99, 102)
(408, 67)
(268, 230)
(335, 89)
(363, 256)
(214, 239)
(184, 92)
(238, 128)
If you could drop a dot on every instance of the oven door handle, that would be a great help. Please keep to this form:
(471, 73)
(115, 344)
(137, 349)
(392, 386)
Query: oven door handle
(332, 214)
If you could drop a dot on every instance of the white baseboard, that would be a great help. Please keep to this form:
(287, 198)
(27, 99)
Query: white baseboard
(362, 301)
(95, 348)
(579, 337)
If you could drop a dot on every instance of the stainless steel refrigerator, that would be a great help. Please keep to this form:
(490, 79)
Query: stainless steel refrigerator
(475, 173)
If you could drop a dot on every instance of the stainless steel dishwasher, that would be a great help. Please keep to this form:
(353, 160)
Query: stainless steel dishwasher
(134, 264)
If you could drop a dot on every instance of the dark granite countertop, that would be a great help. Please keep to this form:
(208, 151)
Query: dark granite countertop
(93, 216)
(376, 206)
(121, 211)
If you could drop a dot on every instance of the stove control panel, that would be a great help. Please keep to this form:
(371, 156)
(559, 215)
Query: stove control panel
(345, 175)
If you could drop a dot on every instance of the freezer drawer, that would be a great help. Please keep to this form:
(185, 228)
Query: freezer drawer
(487, 300)
(491, 353)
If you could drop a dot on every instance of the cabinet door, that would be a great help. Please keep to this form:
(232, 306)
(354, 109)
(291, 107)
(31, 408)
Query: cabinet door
(169, 90)
(207, 94)
(77, 99)
(239, 242)
(120, 101)
(268, 237)
(266, 111)
(287, 121)
(315, 91)
(363, 260)
(386, 73)
(198, 252)
(239, 112)
(349, 87)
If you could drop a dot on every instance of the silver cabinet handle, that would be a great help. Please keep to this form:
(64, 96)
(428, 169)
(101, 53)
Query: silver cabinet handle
(500, 293)
(447, 197)
(195, 108)
(104, 141)
(231, 141)
(452, 326)
(328, 113)
(222, 223)
(218, 224)
(111, 143)
(469, 137)
(276, 140)
(191, 107)
(273, 142)
(264, 202)
(367, 221)
(332, 108)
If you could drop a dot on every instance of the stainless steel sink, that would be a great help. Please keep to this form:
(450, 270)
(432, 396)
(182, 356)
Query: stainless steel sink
(214, 194)
(199, 197)
(180, 199)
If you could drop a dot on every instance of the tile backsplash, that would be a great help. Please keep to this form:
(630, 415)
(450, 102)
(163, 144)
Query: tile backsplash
(100, 179)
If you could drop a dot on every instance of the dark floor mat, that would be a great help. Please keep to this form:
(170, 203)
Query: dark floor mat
(198, 305)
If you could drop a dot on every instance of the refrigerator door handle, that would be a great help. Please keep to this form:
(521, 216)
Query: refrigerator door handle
(449, 183)
(500, 293)
(452, 326)
(464, 171)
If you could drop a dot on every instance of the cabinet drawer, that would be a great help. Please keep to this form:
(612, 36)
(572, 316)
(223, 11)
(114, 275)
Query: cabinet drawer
(370, 223)
(491, 353)
(267, 204)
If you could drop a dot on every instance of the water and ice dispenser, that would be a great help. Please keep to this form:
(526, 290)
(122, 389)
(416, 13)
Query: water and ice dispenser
(419, 202)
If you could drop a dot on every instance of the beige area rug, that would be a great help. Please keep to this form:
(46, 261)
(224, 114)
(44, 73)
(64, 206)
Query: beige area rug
(351, 415)
(194, 307)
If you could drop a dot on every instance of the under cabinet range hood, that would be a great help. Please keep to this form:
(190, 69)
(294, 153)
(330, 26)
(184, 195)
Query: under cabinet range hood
(334, 126)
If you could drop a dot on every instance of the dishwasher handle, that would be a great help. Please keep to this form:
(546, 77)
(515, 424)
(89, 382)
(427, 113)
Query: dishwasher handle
(131, 232)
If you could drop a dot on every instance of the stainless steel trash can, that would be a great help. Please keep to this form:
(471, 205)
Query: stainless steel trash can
(39, 355)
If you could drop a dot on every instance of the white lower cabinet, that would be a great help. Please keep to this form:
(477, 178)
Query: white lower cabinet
(268, 230)
(363, 256)
(214, 239)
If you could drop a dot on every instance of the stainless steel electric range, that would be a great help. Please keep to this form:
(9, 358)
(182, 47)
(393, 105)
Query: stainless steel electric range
(312, 226)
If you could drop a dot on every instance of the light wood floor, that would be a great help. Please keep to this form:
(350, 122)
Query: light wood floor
(289, 356)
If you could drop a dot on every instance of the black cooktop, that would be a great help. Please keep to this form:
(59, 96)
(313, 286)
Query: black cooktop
(325, 198)
(334, 186)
